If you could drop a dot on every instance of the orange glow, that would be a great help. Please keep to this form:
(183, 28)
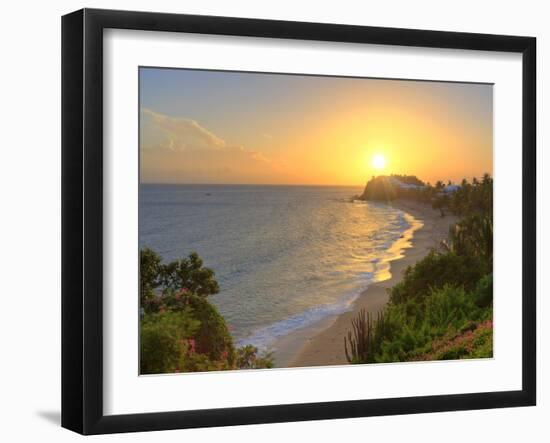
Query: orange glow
(342, 133)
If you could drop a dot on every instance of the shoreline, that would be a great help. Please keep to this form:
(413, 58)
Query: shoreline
(322, 344)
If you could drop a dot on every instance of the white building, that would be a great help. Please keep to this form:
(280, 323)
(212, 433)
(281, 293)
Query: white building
(450, 189)
(399, 184)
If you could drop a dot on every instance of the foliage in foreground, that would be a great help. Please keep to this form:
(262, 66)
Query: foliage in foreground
(365, 338)
(473, 341)
(434, 272)
(181, 331)
(413, 327)
(416, 329)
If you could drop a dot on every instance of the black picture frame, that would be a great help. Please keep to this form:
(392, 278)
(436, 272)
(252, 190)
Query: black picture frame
(82, 219)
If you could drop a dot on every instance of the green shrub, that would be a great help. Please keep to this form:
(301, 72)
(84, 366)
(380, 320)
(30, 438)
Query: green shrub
(450, 307)
(435, 271)
(473, 236)
(484, 292)
(149, 268)
(248, 358)
(411, 327)
(164, 341)
(483, 343)
(212, 337)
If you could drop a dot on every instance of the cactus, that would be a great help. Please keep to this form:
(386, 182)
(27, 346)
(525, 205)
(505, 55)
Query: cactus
(365, 338)
(359, 338)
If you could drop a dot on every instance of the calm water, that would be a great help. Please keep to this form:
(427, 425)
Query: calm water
(284, 256)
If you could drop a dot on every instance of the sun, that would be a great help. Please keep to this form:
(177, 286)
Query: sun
(378, 162)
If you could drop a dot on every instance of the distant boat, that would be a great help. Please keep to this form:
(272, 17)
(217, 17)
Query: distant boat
(208, 193)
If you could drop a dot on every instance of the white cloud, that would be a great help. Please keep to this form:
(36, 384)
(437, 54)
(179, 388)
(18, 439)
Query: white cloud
(180, 150)
(176, 133)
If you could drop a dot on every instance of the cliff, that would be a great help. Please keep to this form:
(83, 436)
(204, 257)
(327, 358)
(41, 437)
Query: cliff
(388, 188)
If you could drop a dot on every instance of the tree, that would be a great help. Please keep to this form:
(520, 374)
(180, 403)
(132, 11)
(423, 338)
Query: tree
(473, 236)
(161, 283)
(181, 331)
(189, 274)
(248, 358)
(441, 202)
(149, 269)
(165, 340)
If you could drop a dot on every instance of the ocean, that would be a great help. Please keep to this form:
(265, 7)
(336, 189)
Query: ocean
(285, 257)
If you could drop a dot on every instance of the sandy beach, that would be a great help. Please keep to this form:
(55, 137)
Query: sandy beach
(323, 343)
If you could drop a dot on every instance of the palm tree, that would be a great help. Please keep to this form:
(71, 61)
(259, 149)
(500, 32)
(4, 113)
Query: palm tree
(473, 236)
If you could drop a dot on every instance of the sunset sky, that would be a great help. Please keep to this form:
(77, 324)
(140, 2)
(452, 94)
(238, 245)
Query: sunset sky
(225, 127)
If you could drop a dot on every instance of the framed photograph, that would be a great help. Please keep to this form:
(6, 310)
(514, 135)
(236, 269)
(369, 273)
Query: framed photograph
(268, 221)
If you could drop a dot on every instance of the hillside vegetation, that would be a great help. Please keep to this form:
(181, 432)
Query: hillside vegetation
(443, 307)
